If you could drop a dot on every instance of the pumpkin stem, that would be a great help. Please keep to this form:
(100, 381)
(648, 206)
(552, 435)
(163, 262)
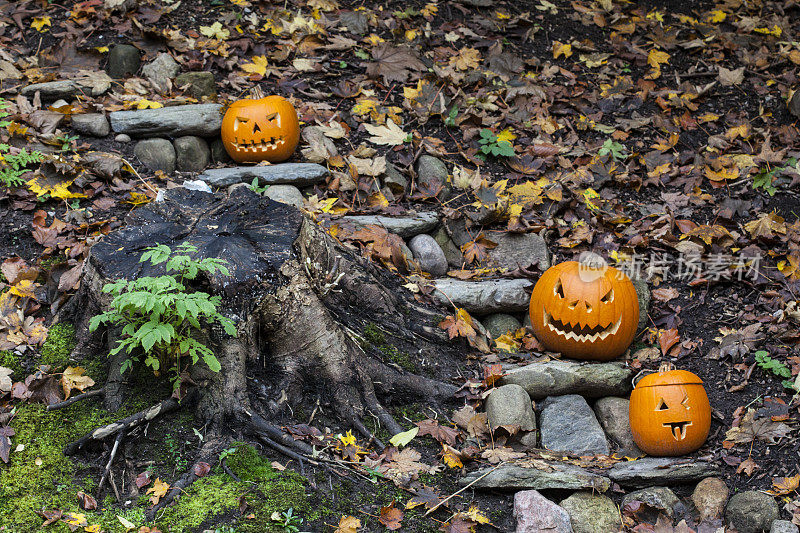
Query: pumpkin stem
(257, 93)
(666, 367)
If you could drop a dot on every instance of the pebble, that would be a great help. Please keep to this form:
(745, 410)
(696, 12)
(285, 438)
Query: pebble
(709, 497)
(612, 413)
(429, 255)
(451, 252)
(160, 71)
(783, 526)
(192, 153)
(484, 297)
(406, 227)
(156, 154)
(661, 499)
(122, 138)
(659, 471)
(510, 405)
(200, 83)
(535, 514)
(592, 513)
(394, 180)
(95, 124)
(568, 425)
(299, 174)
(500, 323)
(555, 378)
(751, 512)
(286, 194)
(543, 475)
(123, 61)
(52, 90)
(432, 174)
(203, 120)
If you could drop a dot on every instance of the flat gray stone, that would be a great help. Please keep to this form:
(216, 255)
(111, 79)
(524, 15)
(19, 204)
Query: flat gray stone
(751, 512)
(200, 84)
(661, 499)
(709, 498)
(160, 71)
(54, 90)
(567, 424)
(655, 471)
(192, 153)
(612, 413)
(510, 405)
(500, 323)
(94, 124)
(483, 297)
(432, 173)
(555, 378)
(592, 513)
(406, 227)
(156, 154)
(286, 194)
(537, 514)
(783, 526)
(123, 61)
(538, 475)
(429, 255)
(203, 120)
(515, 250)
(298, 174)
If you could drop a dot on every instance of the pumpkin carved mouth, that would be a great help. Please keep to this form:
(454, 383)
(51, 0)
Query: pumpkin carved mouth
(678, 429)
(258, 146)
(578, 333)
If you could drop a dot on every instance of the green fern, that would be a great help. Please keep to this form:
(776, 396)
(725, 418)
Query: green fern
(13, 166)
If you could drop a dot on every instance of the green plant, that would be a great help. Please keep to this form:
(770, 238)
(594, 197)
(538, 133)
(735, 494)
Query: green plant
(765, 178)
(66, 141)
(256, 188)
(289, 521)
(159, 316)
(450, 119)
(778, 368)
(179, 462)
(491, 145)
(14, 165)
(617, 150)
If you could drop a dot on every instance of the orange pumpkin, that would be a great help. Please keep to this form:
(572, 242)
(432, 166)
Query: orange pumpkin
(585, 310)
(264, 129)
(669, 412)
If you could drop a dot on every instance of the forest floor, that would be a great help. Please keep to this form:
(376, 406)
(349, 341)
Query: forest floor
(646, 132)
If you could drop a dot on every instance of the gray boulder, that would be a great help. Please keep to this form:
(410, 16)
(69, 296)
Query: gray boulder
(612, 413)
(709, 498)
(500, 323)
(94, 124)
(429, 255)
(203, 120)
(66, 89)
(535, 514)
(451, 252)
(592, 513)
(751, 512)
(156, 154)
(783, 526)
(556, 378)
(285, 194)
(510, 405)
(567, 424)
(218, 152)
(123, 61)
(298, 174)
(192, 153)
(396, 182)
(483, 297)
(537, 475)
(199, 84)
(160, 71)
(660, 471)
(660, 499)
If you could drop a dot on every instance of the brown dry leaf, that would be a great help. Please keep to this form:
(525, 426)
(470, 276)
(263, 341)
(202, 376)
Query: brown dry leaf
(667, 339)
(477, 250)
(459, 325)
(86, 501)
(665, 294)
(391, 517)
(501, 454)
(473, 422)
(424, 496)
(751, 428)
(784, 485)
(73, 378)
(158, 491)
(766, 226)
(404, 464)
(393, 63)
(348, 524)
(748, 466)
(441, 433)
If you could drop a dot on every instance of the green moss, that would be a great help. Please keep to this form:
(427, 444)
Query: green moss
(11, 360)
(59, 344)
(203, 500)
(39, 475)
(374, 336)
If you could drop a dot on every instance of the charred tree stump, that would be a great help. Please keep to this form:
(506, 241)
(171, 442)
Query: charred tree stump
(299, 299)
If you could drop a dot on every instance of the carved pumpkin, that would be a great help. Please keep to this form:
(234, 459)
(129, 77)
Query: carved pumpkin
(585, 310)
(265, 129)
(669, 412)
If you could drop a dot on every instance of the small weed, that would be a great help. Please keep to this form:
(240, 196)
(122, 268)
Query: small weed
(66, 141)
(765, 178)
(287, 520)
(778, 368)
(13, 164)
(256, 188)
(492, 145)
(617, 150)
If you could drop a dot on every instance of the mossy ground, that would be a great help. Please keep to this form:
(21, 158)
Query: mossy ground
(374, 336)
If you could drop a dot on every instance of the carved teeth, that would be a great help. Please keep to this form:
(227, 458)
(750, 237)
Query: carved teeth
(252, 146)
(586, 337)
(678, 429)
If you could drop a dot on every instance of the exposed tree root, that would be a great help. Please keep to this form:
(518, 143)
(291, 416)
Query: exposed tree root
(112, 454)
(78, 398)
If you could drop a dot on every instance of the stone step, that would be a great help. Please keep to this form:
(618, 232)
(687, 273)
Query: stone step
(297, 174)
(203, 120)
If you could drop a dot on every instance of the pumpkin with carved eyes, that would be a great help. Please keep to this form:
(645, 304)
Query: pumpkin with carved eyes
(264, 129)
(585, 310)
(669, 412)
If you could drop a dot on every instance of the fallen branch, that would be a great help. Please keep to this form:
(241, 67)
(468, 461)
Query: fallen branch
(432, 509)
(70, 401)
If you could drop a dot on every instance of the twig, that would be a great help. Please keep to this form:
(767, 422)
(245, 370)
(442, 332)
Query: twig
(111, 457)
(432, 509)
(70, 401)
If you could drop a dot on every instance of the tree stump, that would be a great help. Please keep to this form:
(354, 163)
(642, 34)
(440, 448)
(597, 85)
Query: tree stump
(299, 299)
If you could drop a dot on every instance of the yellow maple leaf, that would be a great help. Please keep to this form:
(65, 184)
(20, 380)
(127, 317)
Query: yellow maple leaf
(258, 65)
(589, 195)
(39, 23)
(774, 30)
(24, 288)
(273, 27)
(94, 528)
(475, 514)
(158, 490)
(506, 135)
(76, 519)
(450, 457)
(716, 16)
(411, 93)
(137, 198)
(656, 58)
(144, 103)
(429, 10)
(742, 130)
(364, 106)
(215, 31)
(56, 186)
(101, 49)
(507, 343)
(348, 524)
(560, 49)
(374, 39)
(348, 439)
(412, 34)
(724, 174)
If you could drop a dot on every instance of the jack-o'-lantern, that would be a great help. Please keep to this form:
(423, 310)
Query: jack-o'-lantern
(669, 412)
(585, 310)
(263, 129)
